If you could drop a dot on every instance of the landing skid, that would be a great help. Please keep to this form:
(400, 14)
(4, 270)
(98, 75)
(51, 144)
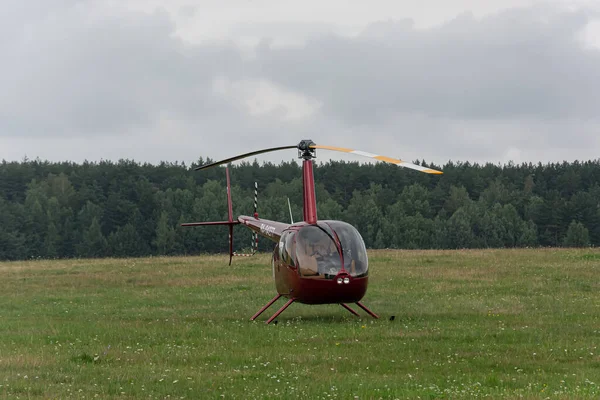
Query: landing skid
(290, 301)
(361, 305)
(262, 310)
(349, 309)
(371, 313)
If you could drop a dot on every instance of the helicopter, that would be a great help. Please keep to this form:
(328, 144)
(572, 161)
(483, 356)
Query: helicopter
(314, 261)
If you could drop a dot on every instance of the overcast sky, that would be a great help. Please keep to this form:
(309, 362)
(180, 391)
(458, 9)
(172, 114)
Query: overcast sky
(175, 80)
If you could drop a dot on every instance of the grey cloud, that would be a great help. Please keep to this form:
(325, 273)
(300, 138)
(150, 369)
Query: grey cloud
(294, 31)
(187, 11)
(78, 72)
(522, 63)
(508, 85)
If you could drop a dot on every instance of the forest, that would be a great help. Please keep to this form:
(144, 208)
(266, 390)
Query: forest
(132, 209)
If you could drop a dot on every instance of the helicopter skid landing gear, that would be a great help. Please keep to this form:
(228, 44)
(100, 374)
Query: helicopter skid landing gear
(371, 313)
(290, 301)
(269, 304)
(349, 309)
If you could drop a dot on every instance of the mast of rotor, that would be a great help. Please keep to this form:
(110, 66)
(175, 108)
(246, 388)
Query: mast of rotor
(308, 181)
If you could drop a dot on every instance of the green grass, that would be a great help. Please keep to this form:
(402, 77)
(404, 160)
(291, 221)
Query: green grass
(481, 323)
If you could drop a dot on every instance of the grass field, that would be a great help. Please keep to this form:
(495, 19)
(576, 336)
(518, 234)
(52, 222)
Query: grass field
(490, 323)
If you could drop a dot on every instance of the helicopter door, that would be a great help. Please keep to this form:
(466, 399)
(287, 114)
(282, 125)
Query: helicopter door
(285, 249)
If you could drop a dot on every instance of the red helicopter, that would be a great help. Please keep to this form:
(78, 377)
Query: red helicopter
(314, 261)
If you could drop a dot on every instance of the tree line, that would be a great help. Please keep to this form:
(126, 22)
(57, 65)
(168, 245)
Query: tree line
(131, 209)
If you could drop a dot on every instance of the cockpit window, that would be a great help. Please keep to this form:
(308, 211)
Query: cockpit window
(316, 253)
(287, 248)
(356, 262)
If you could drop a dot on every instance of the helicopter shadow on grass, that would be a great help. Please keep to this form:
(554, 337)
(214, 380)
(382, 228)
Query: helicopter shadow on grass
(332, 317)
(313, 320)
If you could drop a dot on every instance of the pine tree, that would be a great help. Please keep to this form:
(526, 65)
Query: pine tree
(165, 235)
(528, 236)
(52, 242)
(577, 235)
(460, 233)
(127, 242)
(93, 243)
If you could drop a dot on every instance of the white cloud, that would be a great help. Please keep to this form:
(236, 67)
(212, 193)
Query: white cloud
(262, 98)
(590, 34)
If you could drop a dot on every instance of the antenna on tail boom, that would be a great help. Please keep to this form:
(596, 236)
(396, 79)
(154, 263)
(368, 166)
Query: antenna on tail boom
(290, 207)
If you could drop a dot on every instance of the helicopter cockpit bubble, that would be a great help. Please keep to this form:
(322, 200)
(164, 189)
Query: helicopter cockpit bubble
(317, 254)
(356, 262)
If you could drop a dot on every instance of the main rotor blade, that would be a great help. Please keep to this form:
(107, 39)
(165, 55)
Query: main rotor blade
(244, 155)
(401, 163)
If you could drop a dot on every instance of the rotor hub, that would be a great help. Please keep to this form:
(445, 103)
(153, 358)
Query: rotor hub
(305, 151)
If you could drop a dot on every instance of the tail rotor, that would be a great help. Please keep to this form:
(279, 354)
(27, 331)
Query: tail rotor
(230, 221)
(230, 215)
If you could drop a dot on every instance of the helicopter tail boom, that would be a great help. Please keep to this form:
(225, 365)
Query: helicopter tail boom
(210, 223)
